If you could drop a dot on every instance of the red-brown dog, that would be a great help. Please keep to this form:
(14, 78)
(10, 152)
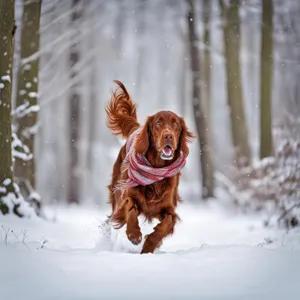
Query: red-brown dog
(146, 173)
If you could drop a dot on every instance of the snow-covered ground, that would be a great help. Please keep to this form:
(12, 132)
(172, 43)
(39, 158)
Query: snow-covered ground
(212, 255)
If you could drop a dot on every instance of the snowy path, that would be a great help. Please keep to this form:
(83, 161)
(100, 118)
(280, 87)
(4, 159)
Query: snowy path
(212, 255)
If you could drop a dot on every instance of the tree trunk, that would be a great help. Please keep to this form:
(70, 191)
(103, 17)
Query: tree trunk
(184, 68)
(163, 58)
(141, 28)
(206, 95)
(231, 36)
(266, 78)
(74, 117)
(201, 126)
(206, 8)
(7, 29)
(27, 92)
(93, 97)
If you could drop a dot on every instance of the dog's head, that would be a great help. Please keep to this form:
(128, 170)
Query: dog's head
(167, 133)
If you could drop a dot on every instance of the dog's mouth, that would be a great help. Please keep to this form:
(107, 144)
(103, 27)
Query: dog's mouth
(167, 153)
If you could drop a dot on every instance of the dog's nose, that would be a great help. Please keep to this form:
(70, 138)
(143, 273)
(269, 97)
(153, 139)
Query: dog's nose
(168, 137)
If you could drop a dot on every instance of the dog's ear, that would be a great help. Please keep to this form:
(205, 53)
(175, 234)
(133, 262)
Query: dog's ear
(186, 137)
(142, 141)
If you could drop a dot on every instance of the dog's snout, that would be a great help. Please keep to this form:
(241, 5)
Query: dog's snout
(168, 137)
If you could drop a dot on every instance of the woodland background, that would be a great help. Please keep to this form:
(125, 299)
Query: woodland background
(231, 68)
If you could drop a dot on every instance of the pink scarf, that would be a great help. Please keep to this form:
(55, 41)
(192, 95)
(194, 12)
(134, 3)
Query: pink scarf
(139, 169)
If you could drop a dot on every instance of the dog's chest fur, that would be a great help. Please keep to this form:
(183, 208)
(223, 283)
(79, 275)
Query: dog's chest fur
(155, 191)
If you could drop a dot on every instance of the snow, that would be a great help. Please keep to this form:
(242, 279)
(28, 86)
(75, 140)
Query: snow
(6, 78)
(7, 181)
(33, 95)
(3, 190)
(14, 200)
(19, 150)
(1, 85)
(25, 109)
(27, 67)
(212, 255)
(22, 92)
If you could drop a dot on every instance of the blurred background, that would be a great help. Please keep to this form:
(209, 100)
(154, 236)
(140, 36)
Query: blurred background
(231, 68)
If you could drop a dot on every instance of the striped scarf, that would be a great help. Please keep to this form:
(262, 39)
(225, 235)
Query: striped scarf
(140, 171)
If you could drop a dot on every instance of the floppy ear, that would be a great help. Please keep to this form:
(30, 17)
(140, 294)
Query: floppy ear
(186, 137)
(143, 139)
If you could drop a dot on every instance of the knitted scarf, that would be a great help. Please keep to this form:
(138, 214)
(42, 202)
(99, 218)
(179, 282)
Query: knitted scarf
(139, 169)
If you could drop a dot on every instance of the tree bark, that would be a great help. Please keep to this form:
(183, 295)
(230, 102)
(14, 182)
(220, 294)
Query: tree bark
(206, 8)
(231, 37)
(27, 91)
(266, 79)
(7, 29)
(141, 27)
(74, 117)
(206, 95)
(201, 126)
(184, 68)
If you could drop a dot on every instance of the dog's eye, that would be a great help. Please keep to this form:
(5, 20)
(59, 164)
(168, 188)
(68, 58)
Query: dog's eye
(176, 124)
(158, 123)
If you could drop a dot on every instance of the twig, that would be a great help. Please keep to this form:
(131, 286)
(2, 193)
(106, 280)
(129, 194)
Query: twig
(15, 235)
(287, 211)
(23, 240)
(6, 235)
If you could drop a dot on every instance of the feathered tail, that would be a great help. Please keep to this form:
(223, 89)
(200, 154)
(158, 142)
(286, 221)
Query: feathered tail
(121, 112)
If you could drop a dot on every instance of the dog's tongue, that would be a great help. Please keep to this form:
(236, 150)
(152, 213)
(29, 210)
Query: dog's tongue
(167, 151)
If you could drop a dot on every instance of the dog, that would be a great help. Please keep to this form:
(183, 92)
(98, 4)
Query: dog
(146, 173)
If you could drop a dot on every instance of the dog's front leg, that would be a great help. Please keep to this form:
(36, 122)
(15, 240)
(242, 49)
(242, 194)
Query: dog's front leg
(164, 228)
(133, 229)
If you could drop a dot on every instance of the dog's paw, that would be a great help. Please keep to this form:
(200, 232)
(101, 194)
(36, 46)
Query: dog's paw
(135, 237)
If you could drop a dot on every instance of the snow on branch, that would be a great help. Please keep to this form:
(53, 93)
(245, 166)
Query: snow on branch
(271, 183)
(19, 150)
(25, 109)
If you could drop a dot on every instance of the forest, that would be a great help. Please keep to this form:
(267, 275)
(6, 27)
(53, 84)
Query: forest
(231, 68)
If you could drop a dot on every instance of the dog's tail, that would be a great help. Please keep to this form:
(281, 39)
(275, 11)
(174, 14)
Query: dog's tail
(121, 112)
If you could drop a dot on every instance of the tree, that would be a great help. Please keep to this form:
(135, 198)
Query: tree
(201, 124)
(141, 29)
(27, 95)
(74, 117)
(7, 28)
(206, 9)
(231, 38)
(266, 78)
(10, 199)
(206, 75)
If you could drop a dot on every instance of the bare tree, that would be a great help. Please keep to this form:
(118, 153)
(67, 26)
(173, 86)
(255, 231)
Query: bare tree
(74, 117)
(93, 84)
(206, 70)
(266, 78)
(232, 37)
(206, 79)
(27, 94)
(141, 28)
(7, 29)
(201, 125)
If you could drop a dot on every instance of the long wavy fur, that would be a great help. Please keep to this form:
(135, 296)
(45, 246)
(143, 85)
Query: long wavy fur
(121, 112)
